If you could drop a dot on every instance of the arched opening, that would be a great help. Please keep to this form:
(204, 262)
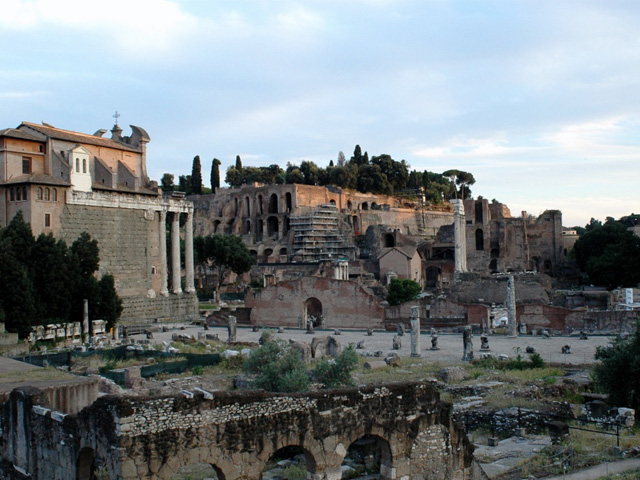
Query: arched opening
(287, 199)
(260, 208)
(86, 464)
(389, 240)
(548, 269)
(374, 206)
(247, 227)
(349, 205)
(289, 462)
(199, 470)
(272, 226)
(535, 264)
(283, 254)
(433, 279)
(368, 456)
(228, 229)
(235, 206)
(495, 253)
(479, 217)
(266, 254)
(287, 226)
(356, 224)
(479, 239)
(216, 224)
(313, 311)
(273, 203)
(247, 207)
(364, 206)
(254, 254)
(493, 265)
(332, 202)
(259, 230)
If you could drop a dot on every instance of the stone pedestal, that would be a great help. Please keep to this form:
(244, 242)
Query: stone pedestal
(231, 327)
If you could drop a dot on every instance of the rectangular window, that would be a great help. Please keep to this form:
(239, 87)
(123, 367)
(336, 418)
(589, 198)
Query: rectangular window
(26, 165)
(47, 219)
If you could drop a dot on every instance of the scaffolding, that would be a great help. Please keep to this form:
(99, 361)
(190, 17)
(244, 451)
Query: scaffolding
(317, 236)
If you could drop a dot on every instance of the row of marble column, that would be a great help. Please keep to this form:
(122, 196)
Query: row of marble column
(175, 254)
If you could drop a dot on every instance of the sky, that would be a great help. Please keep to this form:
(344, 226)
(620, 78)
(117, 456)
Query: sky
(539, 99)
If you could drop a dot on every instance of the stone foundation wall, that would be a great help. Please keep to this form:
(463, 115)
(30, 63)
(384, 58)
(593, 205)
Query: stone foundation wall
(172, 307)
(237, 432)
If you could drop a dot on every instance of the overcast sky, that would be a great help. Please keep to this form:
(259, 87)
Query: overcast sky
(540, 100)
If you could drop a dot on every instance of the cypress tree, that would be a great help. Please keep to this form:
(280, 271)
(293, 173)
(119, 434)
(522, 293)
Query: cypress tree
(196, 176)
(215, 174)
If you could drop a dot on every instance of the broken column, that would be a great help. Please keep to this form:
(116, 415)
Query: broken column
(231, 327)
(467, 354)
(459, 236)
(85, 321)
(511, 307)
(415, 331)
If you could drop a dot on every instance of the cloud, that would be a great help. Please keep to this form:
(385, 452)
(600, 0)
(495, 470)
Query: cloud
(142, 27)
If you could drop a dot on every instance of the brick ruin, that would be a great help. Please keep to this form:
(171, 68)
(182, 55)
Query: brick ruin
(129, 438)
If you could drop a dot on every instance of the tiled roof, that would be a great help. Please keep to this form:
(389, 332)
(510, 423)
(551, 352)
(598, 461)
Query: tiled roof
(77, 137)
(14, 133)
(37, 178)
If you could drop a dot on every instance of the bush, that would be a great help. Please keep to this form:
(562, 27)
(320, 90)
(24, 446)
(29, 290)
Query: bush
(336, 373)
(402, 290)
(278, 368)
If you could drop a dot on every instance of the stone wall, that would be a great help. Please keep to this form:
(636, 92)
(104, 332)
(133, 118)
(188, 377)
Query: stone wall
(130, 438)
(342, 303)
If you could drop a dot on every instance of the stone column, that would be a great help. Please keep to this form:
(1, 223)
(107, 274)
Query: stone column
(511, 307)
(164, 278)
(86, 333)
(231, 327)
(175, 253)
(415, 331)
(188, 255)
(460, 236)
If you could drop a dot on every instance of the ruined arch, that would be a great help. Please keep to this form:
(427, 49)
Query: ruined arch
(548, 267)
(374, 206)
(332, 202)
(493, 265)
(247, 227)
(349, 205)
(259, 230)
(356, 224)
(86, 464)
(273, 225)
(364, 206)
(228, 229)
(287, 200)
(290, 451)
(273, 203)
(283, 253)
(235, 206)
(254, 254)
(479, 239)
(374, 453)
(247, 207)
(266, 254)
(313, 311)
(389, 240)
(216, 224)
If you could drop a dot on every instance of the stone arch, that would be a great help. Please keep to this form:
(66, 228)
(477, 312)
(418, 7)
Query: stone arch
(535, 264)
(86, 464)
(247, 207)
(374, 451)
(479, 239)
(260, 207)
(283, 253)
(254, 254)
(374, 206)
(287, 448)
(313, 308)
(266, 254)
(216, 224)
(288, 202)
(273, 225)
(349, 205)
(286, 225)
(332, 202)
(364, 206)
(247, 227)
(389, 240)
(548, 267)
(259, 230)
(199, 469)
(228, 228)
(273, 203)
(493, 265)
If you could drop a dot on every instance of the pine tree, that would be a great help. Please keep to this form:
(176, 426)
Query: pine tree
(238, 163)
(196, 176)
(215, 174)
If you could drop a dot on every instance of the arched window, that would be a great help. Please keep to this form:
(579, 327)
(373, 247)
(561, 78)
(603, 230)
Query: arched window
(39, 193)
(54, 195)
(84, 165)
(47, 194)
(78, 165)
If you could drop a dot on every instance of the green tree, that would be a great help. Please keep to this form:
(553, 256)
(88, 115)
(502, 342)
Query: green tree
(372, 180)
(108, 305)
(234, 177)
(184, 184)
(224, 253)
(17, 302)
(402, 290)
(609, 254)
(215, 174)
(294, 175)
(618, 370)
(238, 163)
(310, 172)
(337, 372)
(166, 183)
(196, 176)
(277, 367)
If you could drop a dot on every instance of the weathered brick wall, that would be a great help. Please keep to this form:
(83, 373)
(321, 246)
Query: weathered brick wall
(151, 438)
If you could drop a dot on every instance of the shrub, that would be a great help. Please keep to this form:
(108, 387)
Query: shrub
(335, 373)
(278, 368)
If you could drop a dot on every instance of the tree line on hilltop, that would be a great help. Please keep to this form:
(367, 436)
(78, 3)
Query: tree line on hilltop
(44, 281)
(379, 175)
